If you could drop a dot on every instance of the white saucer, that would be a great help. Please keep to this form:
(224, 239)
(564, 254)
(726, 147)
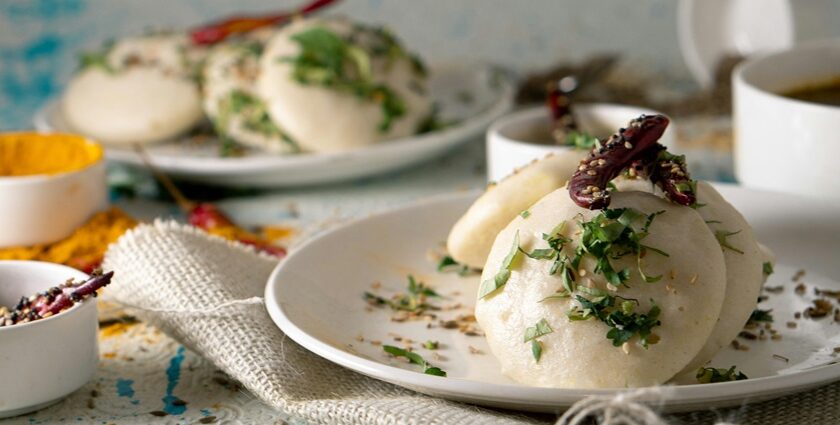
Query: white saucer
(472, 96)
(315, 297)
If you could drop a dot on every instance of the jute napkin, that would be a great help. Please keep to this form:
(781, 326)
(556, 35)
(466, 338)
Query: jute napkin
(207, 293)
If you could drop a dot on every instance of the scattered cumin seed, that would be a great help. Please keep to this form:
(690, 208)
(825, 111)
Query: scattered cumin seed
(474, 350)
(791, 325)
(158, 413)
(207, 420)
(821, 308)
(774, 289)
(748, 335)
(798, 275)
(776, 337)
(782, 358)
(799, 289)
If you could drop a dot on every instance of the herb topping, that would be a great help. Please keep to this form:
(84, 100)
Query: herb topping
(415, 359)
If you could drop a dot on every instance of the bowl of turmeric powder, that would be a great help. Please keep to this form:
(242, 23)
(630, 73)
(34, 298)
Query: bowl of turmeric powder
(50, 184)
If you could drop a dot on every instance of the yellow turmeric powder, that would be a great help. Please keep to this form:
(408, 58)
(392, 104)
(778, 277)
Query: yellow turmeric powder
(84, 248)
(26, 154)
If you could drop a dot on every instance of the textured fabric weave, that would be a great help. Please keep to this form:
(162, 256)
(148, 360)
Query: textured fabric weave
(205, 292)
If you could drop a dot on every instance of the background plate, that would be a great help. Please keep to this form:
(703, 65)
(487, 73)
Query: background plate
(315, 297)
(472, 96)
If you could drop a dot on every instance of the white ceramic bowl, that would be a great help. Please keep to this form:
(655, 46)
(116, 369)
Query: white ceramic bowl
(782, 143)
(44, 208)
(521, 137)
(43, 361)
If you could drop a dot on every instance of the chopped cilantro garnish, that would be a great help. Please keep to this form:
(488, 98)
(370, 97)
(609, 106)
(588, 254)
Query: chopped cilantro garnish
(532, 333)
(707, 375)
(610, 235)
(254, 115)
(581, 141)
(759, 315)
(431, 345)
(541, 328)
(525, 214)
(490, 286)
(448, 264)
(767, 268)
(721, 236)
(414, 300)
(415, 359)
(536, 350)
(96, 59)
(623, 322)
(330, 60)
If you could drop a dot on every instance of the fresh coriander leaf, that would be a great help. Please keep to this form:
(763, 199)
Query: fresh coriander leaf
(540, 254)
(448, 264)
(623, 322)
(436, 371)
(490, 286)
(556, 296)
(536, 349)
(431, 345)
(581, 141)
(96, 59)
(707, 375)
(721, 236)
(525, 214)
(419, 288)
(767, 268)
(611, 235)
(541, 328)
(759, 315)
(400, 352)
(330, 60)
(415, 359)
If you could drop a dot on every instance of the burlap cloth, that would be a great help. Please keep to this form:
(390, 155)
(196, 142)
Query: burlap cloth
(207, 293)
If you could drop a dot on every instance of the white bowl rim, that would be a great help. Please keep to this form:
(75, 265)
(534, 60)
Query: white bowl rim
(37, 178)
(761, 60)
(75, 309)
(534, 112)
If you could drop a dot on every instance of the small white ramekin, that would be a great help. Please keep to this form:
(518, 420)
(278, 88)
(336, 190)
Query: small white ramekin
(43, 361)
(40, 209)
(514, 140)
(781, 143)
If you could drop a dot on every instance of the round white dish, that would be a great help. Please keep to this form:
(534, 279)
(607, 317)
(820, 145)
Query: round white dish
(472, 96)
(321, 307)
(711, 30)
(45, 360)
(523, 136)
(43, 208)
(782, 143)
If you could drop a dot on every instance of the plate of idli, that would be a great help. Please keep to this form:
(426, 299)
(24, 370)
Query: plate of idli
(367, 300)
(318, 100)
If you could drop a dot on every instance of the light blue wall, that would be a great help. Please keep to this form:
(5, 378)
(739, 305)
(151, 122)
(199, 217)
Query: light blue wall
(39, 38)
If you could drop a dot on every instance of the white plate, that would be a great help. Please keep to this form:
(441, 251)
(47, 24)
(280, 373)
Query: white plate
(710, 30)
(490, 95)
(315, 297)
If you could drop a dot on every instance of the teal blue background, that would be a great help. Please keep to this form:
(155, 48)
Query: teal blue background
(40, 39)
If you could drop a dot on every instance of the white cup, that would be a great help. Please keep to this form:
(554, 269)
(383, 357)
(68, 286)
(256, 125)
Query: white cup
(521, 137)
(782, 143)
